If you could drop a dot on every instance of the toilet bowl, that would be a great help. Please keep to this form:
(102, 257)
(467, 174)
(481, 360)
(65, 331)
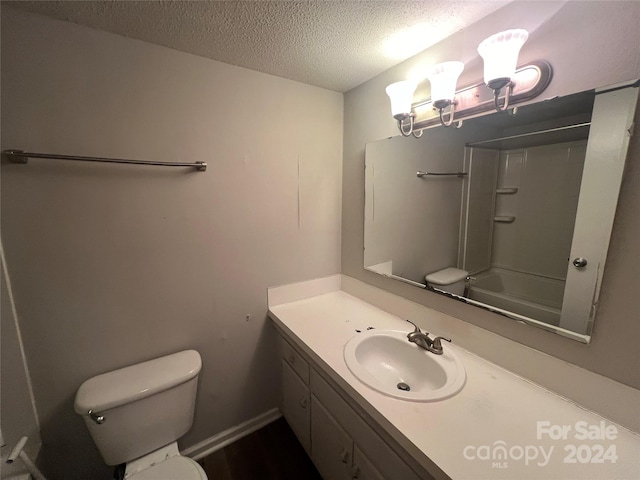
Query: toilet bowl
(164, 464)
(452, 280)
(136, 414)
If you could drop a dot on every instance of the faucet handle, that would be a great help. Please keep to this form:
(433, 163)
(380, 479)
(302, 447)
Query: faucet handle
(417, 330)
(437, 342)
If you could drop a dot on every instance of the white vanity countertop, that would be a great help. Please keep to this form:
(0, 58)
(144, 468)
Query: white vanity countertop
(495, 408)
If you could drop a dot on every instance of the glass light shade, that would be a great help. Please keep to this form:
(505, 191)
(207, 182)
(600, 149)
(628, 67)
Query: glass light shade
(443, 78)
(500, 55)
(401, 95)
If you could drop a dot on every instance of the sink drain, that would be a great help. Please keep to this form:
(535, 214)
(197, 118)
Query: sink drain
(403, 386)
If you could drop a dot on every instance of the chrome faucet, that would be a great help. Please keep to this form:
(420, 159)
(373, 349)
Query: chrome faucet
(434, 345)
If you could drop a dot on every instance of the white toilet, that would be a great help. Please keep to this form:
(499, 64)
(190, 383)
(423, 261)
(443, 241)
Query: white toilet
(135, 415)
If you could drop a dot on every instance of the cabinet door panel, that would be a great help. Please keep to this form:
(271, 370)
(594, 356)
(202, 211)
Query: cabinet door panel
(331, 447)
(386, 460)
(362, 468)
(295, 405)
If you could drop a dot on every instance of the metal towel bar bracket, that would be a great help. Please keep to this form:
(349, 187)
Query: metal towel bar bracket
(20, 156)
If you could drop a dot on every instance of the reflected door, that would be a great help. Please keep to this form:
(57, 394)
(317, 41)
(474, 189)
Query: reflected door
(612, 119)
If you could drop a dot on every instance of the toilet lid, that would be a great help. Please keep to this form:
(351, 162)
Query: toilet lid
(173, 468)
(448, 276)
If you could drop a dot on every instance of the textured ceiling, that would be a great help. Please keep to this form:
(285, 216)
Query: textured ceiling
(332, 44)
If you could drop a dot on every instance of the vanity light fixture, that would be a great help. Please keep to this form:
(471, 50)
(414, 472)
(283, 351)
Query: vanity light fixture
(443, 78)
(500, 55)
(401, 95)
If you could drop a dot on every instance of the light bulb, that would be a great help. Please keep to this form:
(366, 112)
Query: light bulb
(500, 55)
(401, 96)
(443, 78)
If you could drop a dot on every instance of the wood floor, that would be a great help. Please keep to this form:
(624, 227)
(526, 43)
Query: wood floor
(271, 453)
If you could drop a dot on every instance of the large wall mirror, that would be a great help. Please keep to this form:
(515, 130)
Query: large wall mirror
(512, 212)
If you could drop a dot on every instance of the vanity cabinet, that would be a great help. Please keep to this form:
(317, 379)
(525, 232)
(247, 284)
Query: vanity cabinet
(341, 443)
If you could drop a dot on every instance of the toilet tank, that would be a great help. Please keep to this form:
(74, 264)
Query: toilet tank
(449, 279)
(143, 407)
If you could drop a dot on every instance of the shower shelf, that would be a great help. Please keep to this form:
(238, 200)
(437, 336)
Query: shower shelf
(504, 218)
(507, 190)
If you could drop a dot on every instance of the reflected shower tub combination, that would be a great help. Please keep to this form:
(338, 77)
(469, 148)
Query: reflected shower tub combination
(536, 196)
(525, 294)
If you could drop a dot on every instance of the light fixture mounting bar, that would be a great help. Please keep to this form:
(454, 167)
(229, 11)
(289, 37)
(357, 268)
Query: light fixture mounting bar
(529, 81)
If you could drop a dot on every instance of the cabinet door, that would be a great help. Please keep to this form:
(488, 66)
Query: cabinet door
(331, 447)
(387, 461)
(362, 468)
(295, 405)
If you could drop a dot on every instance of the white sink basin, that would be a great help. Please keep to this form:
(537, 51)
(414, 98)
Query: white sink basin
(387, 362)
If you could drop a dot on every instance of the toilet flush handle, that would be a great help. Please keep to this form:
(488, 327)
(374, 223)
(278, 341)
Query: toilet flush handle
(99, 419)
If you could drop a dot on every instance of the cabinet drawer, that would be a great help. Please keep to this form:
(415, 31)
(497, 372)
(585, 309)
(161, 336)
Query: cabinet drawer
(295, 360)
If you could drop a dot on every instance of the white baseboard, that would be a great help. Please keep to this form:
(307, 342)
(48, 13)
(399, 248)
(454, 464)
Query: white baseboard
(222, 439)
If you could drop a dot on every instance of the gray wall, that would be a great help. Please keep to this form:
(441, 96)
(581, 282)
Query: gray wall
(415, 222)
(112, 265)
(589, 44)
(403, 208)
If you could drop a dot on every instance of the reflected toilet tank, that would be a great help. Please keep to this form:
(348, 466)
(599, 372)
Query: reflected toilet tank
(450, 279)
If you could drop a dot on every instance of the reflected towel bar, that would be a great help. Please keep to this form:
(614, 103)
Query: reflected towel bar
(20, 156)
(429, 174)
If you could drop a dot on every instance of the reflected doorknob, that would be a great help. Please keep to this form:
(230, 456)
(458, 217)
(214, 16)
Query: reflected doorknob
(579, 262)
